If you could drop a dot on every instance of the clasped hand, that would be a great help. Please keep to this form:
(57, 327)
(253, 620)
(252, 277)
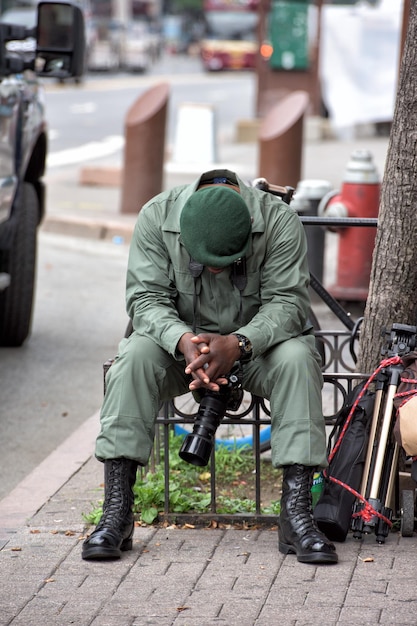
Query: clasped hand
(209, 357)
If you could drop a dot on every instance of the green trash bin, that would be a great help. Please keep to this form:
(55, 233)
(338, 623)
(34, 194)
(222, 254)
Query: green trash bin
(288, 35)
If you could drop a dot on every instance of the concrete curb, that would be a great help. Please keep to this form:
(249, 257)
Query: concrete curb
(25, 500)
(93, 228)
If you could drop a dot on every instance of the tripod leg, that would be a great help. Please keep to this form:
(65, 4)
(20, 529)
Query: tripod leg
(358, 524)
(385, 430)
(388, 480)
(371, 444)
(377, 453)
(392, 476)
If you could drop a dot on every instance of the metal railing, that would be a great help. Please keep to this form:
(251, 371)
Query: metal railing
(339, 379)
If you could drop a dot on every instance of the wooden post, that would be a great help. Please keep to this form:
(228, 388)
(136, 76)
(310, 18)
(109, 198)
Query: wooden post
(145, 127)
(281, 140)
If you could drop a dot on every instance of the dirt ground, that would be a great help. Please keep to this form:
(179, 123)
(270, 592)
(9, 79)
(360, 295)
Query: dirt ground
(244, 485)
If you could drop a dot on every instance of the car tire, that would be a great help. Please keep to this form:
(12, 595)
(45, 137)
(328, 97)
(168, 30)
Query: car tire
(16, 301)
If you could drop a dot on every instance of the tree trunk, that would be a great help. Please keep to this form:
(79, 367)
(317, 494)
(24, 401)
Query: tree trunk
(393, 284)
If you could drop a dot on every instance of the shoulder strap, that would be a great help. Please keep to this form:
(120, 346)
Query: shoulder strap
(196, 270)
(240, 280)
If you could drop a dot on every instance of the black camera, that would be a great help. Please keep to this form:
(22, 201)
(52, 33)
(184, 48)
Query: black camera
(400, 339)
(197, 446)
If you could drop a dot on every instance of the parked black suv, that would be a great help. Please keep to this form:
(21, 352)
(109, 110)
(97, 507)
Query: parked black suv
(58, 45)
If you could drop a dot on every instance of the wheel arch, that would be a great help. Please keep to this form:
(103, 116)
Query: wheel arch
(36, 170)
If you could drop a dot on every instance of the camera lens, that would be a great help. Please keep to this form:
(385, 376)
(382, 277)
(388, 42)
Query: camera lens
(197, 446)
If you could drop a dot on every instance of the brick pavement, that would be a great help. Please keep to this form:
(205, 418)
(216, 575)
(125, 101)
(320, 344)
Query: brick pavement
(193, 576)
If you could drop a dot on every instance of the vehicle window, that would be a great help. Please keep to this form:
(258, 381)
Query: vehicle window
(231, 24)
(20, 17)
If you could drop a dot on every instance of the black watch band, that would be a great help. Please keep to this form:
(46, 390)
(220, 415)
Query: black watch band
(245, 347)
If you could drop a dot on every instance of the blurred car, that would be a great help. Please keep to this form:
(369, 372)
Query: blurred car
(22, 16)
(113, 46)
(230, 42)
(218, 54)
(23, 147)
(104, 46)
(139, 47)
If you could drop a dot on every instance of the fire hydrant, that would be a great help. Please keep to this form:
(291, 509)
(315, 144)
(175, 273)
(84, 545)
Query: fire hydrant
(359, 197)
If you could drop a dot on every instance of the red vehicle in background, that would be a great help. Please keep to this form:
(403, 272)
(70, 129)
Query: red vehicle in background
(230, 41)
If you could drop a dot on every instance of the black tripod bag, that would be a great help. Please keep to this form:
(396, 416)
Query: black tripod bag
(333, 511)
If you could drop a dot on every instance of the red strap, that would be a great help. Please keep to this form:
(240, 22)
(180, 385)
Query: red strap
(368, 511)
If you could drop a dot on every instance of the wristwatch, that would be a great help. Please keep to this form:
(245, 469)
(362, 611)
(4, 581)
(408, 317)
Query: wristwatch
(245, 347)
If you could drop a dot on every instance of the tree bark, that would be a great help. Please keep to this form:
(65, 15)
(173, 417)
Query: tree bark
(392, 294)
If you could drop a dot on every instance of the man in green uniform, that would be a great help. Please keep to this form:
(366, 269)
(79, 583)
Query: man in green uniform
(217, 273)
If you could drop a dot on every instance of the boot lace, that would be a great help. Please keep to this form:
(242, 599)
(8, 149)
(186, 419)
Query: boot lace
(299, 506)
(118, 501)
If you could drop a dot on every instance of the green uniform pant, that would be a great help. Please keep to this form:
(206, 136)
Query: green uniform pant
(144, 375)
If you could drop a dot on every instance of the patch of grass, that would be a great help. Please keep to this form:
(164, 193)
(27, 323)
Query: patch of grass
(189, 486)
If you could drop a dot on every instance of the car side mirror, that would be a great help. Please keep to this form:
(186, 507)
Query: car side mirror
(60, 40)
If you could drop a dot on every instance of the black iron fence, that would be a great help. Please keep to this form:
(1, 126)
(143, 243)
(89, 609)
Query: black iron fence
(250, 426)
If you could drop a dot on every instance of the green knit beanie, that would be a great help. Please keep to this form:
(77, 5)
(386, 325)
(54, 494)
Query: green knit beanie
(215, 226)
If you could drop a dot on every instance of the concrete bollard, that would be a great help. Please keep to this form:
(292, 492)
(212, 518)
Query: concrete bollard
(144, 152)
(281, 140)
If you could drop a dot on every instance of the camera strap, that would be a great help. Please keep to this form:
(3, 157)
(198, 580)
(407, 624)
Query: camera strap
(240, 280)
(196, 269)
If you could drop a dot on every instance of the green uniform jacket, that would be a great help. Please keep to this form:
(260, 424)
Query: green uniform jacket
(160, 288)
(271, 312)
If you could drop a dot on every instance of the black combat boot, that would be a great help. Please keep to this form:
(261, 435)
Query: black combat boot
(113, 534)
(297, 530)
